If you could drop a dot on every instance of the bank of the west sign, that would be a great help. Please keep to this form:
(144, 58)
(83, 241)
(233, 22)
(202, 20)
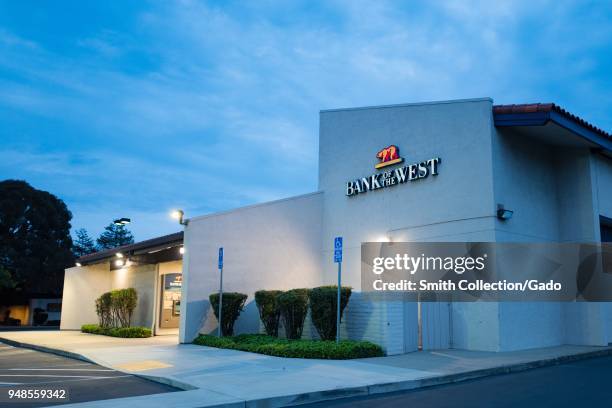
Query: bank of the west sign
(390, 156)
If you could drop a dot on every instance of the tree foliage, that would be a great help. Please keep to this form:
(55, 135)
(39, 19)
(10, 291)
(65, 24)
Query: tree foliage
(114, 236)
(6, 280)
(84, 244)
(35, 242)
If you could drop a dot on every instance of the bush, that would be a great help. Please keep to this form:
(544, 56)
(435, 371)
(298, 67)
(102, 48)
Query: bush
(233, 303)
(115, 308)
(323, 308)
(269, 313)
(104, 310)
(264, 344)
(293, 306)
(123, 303)
(126, 332)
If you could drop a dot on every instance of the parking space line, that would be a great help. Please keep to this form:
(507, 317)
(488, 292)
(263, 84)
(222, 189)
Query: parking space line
(49, 375)
(58, 369)
(82, 379)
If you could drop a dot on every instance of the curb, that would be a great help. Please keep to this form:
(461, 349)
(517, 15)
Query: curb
(425, 382)
(75, 356)
(340, 393)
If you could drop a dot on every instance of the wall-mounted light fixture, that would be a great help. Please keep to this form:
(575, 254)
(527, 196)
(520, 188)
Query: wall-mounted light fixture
(119, 255)
(181, 250)
(122, 221)
(503, 214)
(78, 264)
(179, 215)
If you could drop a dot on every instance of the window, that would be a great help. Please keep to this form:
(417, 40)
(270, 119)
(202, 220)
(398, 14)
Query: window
(605, 225)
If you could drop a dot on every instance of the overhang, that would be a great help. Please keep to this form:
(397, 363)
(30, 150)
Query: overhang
(554, 124)
(160, 249)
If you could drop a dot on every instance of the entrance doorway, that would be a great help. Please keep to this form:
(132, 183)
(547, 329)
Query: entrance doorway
(170, 301)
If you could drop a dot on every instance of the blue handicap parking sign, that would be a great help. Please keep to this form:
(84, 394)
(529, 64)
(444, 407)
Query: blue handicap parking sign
(221, 258)
(338, 243)
(338, 249)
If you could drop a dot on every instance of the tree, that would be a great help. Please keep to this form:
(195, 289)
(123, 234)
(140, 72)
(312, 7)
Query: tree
(114, 236)
(6, 280)
(84, 244)
(35, 242)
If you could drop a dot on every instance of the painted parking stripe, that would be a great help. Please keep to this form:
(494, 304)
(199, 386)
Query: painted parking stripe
(82, 379)
(58, 369)
(49, 375)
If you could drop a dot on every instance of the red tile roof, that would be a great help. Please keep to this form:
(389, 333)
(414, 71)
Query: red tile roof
(547, 107)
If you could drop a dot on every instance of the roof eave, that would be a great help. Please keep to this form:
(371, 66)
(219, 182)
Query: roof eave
(541, 118)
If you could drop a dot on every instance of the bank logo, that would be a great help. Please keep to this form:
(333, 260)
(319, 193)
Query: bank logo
(388, 156)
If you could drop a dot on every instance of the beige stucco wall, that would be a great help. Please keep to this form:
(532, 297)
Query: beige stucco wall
(82, 285)
(143, 278)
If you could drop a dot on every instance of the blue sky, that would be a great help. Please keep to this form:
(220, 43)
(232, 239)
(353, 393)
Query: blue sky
(131, 108)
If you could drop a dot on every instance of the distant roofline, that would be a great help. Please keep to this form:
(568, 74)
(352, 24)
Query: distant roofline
(399, 105)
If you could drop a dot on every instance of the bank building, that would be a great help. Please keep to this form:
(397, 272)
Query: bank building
(424, 172)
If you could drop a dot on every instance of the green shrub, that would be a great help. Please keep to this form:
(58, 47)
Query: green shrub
(323, 308)
(115, 308)
(104, 310)
(126, 332)
(233, 303)
(123, 303)
(91, 328)
(293, 306)
(264, 344)
(269, 313)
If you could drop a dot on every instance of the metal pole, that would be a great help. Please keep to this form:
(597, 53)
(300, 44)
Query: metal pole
(338, 305)
(220, 334)
(420, 322)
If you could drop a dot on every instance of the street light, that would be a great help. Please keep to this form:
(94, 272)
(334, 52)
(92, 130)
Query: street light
(122, 221)
(178, 215)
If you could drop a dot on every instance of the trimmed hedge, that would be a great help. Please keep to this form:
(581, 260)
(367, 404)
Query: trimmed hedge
(126, 332)
(323, 308)
(233, 303)
(269, 313)
(293, 306)
(320, 349)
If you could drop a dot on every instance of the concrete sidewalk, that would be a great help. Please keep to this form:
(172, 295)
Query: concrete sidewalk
(216, 377)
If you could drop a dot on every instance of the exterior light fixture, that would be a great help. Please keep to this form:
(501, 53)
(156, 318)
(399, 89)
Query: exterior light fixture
(181, 250)
(119, 255)
(178, 215)
(503, 214)
(122, 221)
(78, 264)
(119, 262)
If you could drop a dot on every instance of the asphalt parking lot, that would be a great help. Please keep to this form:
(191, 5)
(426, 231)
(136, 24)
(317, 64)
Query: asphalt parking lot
(20, 368)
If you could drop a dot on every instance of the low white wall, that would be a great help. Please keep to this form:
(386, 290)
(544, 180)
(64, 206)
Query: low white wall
(270, 246)
(82, 285)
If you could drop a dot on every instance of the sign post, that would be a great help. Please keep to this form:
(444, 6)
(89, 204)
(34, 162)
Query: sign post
(338, 260)
(220, 290)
